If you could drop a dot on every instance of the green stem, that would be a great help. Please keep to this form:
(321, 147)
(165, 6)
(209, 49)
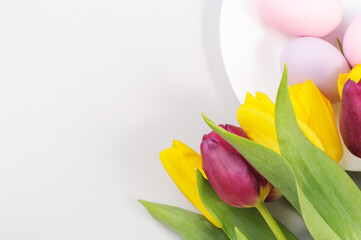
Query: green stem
(271, 221)
(341, 49)
(340, 46)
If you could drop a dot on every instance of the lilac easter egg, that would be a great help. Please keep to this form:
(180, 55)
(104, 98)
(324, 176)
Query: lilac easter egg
(303, 18)
(317, 60)
(352, 42)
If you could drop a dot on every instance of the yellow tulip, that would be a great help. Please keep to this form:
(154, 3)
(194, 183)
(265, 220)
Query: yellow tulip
(354, 75)
(313, 111)
(180, 162)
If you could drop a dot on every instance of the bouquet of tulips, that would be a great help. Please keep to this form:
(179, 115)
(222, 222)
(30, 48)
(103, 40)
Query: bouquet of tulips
(290, 148)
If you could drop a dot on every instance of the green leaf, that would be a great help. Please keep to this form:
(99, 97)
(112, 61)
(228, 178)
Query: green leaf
(248, 220)
(239, 235)
(327, 193)
(188, 225)
(316, 225)
(267, 162)
(327, 187)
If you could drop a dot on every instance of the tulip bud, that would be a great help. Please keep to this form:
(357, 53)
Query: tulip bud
(234, 180)
(350, 117)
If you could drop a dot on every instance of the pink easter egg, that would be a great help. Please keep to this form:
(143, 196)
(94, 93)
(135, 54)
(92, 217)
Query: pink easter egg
(317, 60)
(314, 18)
(352, 42)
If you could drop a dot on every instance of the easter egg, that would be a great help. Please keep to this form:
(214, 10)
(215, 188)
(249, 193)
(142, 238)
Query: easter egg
(317, 60)
(352, 42)
(303, 18)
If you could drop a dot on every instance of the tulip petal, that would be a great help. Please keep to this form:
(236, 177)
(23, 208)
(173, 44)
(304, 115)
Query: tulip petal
(273, 195)
(180, 162)
(235, 181)
(313, 109)
(256, 117)
(350, 117)
(354, 75)
(230, 175)
(342, 79)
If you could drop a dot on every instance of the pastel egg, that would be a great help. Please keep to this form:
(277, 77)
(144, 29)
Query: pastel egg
(317, 60)
(352, 42)
(303, 18)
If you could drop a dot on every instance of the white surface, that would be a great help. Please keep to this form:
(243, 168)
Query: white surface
(251, 51)
(90, 93)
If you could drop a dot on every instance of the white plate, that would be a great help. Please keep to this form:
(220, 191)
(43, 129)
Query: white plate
(251, 52)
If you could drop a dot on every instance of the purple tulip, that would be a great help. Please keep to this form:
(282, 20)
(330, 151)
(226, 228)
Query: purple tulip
(234, 180)
(350, 117)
